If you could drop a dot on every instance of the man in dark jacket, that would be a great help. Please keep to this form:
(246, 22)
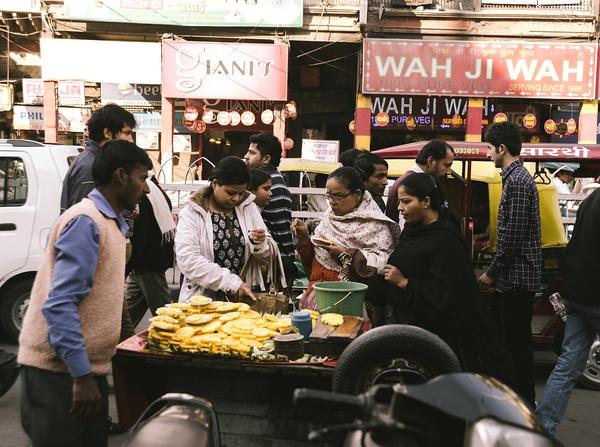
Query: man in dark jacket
(110, 122)
(151, 254)
(580, 286)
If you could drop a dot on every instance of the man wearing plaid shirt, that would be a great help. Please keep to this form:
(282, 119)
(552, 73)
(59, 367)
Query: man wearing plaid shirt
(516, 269)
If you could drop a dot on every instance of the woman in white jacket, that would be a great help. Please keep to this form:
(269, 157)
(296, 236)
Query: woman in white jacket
(218, 230)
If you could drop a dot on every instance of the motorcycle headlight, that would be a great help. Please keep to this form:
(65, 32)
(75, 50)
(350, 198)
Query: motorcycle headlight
(491, 433)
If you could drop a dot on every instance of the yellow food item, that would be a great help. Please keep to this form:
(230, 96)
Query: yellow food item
(181, 306)
(252, 314)
(164, 326)
(214, 304)
(226, 307)
(170, 311)
(199, 300)
(210, 327)
(243, 307)
(271, 318)
(261, 332)
(332, 319)
(165, 318)
(206, 338)
(229, 316)
(196, 319)
(186, 331)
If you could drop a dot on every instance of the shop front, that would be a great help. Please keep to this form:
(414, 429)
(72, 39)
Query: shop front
(417, 90)
(230, 90)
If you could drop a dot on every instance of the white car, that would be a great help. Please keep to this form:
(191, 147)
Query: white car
(31, 176)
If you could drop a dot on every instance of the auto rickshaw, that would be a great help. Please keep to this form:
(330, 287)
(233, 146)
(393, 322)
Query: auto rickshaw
(475, 194)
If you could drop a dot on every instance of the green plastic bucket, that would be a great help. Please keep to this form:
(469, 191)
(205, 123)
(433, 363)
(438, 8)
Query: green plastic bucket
(342, 297)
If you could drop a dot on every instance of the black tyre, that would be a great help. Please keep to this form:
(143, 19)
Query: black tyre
(393, 354)
(13, 304)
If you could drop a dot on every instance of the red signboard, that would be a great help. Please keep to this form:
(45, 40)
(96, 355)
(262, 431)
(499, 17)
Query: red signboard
(480, 69)
(229, 70)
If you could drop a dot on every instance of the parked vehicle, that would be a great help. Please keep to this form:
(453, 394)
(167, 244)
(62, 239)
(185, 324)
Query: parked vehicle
(176, 419)
(31, 176)
(476, 198)
(400, 385)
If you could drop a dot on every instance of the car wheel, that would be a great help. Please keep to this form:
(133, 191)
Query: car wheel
(13, 306)
(590, 378)
(392, 354)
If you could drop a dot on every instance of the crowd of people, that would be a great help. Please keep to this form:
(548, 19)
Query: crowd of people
(410, 251)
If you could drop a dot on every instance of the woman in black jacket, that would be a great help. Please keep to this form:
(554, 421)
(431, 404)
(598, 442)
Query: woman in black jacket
(431, 282)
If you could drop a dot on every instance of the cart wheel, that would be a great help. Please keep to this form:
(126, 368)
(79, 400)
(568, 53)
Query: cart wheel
(393, 354)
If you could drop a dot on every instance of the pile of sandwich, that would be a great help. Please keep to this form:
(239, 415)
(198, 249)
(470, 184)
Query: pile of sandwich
(214, 328)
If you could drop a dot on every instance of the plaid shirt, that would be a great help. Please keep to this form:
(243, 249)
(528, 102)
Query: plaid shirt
(518, 257)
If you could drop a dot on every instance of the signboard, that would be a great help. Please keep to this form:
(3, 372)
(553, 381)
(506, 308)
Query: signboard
(147, 140)
(238, 13)
(20, 5)
(7, 97)
(250, 71)
(33, 91)
(556, 70)
(72, 119)
(71, 93)
(182, 143)
(28, 118)
(66, 59)
(320, 150)
(126, 94)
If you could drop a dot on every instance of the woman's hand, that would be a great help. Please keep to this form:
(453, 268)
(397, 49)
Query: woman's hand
(300, 229)
(334, 250)
(257, 235)
(244, 291)
(395, 276)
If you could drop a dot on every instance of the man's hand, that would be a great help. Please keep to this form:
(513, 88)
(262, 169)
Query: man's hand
(394, 276)
(245, 291)
(87, 400)
(486, 280)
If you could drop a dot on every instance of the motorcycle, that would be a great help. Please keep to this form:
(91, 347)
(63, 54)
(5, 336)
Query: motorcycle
(458, 409)
(176, 419)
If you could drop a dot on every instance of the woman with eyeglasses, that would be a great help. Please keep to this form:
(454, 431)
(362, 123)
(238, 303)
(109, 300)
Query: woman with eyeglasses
(432, 284)
(352, 242)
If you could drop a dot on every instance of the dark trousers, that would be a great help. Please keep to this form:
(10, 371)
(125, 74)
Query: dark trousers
(46, 399)
(512, 310)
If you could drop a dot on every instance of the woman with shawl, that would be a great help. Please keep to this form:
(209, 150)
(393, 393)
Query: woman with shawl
(361, 237)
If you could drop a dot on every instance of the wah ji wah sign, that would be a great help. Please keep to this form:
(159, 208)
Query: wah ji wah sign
(492, 68)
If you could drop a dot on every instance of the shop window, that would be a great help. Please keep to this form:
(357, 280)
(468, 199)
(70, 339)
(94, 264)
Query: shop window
(13, 182)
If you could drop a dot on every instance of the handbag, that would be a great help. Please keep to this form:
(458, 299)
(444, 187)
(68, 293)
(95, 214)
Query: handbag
(272, 301)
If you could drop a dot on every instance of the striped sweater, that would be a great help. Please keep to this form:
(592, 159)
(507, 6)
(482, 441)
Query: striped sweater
(278, 214)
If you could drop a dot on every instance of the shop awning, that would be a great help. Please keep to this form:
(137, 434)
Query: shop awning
(478, 151)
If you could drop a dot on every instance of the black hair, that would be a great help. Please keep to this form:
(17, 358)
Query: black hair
(117, 154)
(505, 133)
(350, 178)
(424, 185)
(438, 149)
(349, 156)
(230, 171)
(365, 164)
(257, 178)
(111, 117)
(268, 144)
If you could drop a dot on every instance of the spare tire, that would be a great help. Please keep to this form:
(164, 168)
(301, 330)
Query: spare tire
(392, 354)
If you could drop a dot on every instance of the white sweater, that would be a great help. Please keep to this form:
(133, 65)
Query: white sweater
(194, 247)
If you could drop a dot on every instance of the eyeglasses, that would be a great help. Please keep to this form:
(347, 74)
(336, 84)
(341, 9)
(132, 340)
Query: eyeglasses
(336, 197)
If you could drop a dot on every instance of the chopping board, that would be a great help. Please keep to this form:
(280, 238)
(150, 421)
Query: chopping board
(346, 332)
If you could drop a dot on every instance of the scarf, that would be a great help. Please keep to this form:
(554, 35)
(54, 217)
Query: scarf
(161, 211)
(366, 228)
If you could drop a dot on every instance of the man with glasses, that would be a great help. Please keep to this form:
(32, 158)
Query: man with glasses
(515, 272)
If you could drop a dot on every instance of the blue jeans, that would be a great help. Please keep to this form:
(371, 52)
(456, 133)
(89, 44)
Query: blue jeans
(581, 328)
